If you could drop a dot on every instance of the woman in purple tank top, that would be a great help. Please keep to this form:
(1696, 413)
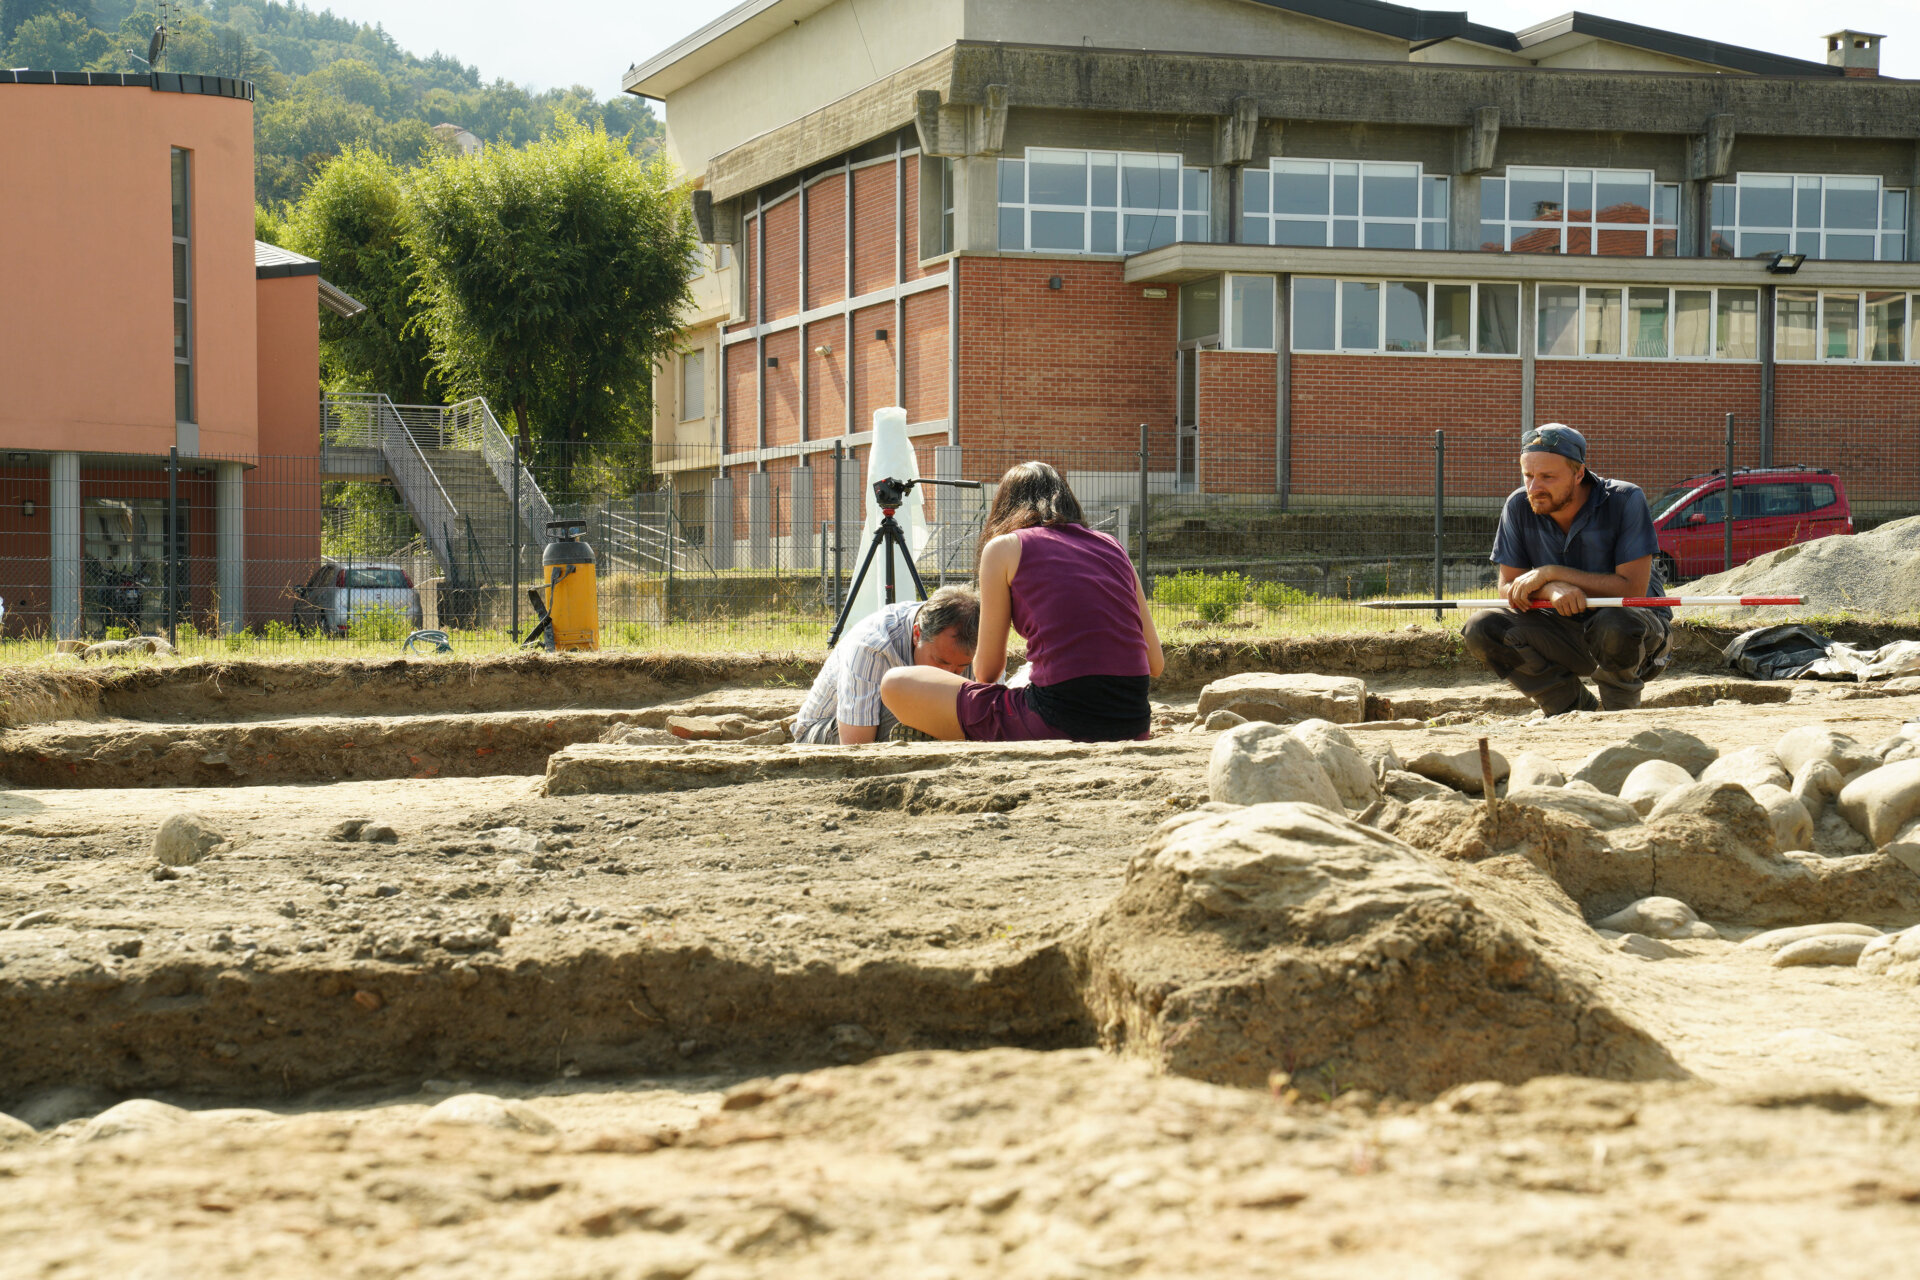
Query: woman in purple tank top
(1072, 594)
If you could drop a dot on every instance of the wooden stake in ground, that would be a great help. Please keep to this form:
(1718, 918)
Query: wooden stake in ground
(1486, 778)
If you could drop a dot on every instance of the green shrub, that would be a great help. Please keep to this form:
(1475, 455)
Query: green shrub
(278, 632)
(379, 622)
(116, 633)
(236, 641)
(1278, 595)
(1213, 596)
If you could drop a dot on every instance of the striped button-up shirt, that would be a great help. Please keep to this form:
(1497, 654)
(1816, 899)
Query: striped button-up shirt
(848, 687)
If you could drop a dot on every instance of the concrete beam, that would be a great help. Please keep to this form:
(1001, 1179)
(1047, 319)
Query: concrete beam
(883, 106)
(1480, 141)
(1432, 94)
(1177, 263)
(1235, 135)
(1711, 153)
(989, 134)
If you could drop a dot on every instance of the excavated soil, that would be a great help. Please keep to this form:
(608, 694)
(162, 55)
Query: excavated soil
(910, 930)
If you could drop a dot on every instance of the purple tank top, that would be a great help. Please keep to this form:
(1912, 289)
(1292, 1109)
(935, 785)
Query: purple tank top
(1074, 605)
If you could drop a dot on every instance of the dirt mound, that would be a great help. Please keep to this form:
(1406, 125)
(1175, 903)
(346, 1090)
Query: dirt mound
(1280, 938)
(1873, 573)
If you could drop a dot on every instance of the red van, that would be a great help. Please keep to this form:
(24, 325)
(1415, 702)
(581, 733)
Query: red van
(1773, 507)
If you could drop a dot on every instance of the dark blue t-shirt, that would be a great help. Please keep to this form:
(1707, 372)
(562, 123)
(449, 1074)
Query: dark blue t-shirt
(1613, 528)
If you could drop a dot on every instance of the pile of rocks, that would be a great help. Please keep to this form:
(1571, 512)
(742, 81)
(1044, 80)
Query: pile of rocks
(1819, 826)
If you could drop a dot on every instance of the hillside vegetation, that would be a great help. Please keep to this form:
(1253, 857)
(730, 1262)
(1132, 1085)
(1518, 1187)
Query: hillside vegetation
(322, 83)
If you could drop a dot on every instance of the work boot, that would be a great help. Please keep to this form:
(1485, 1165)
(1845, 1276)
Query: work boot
(907, 733)
(1585, 701)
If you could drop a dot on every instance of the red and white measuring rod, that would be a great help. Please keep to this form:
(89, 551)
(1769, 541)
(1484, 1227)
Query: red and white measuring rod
(1593, 602)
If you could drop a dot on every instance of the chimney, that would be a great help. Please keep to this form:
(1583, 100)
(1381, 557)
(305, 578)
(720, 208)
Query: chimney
(1856, 53)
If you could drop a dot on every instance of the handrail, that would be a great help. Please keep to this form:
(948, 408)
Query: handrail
(478, 424)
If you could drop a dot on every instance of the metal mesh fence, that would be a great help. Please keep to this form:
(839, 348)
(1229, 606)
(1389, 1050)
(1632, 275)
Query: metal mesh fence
(409, 518)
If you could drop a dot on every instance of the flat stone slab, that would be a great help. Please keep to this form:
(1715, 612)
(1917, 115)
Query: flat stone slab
(609, 769)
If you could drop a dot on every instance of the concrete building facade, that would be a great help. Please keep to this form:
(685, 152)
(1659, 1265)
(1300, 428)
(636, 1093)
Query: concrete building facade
(1292, 238)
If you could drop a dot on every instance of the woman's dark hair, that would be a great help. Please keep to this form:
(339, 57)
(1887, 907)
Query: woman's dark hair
(1032, 495)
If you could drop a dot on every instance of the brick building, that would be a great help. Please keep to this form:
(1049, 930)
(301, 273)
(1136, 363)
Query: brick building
(1290, 237)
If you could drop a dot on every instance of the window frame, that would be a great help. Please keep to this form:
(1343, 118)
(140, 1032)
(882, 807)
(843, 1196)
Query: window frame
(1626, 314)
(1186, 178)
(1421, 219)
(688, 361)
(1510, 226)
(1472, 350)
(1794, 233)
(1858, 293)
(180, 202)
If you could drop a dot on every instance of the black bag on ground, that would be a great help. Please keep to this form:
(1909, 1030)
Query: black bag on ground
(1776, 653)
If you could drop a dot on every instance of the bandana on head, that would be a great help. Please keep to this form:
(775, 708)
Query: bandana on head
(1555, 437)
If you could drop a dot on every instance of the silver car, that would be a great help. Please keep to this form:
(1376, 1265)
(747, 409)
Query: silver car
(336, 594)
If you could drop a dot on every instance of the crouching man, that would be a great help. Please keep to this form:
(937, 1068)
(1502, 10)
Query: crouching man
(845, 706)
(1567, 534)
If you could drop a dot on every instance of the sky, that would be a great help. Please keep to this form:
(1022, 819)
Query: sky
(591, 42)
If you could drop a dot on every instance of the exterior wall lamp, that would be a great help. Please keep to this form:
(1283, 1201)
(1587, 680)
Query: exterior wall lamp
(879, 335)
(27, 508)
(824, 349)
(1054, 282)
(1785, 264)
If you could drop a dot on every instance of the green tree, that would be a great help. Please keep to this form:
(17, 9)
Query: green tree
(55, 42)
(353, 221)
(552, 276)
(15, 14)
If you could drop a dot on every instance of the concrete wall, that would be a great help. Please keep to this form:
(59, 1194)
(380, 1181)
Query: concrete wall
(1198, 26)
(818, 60)
(86, 327)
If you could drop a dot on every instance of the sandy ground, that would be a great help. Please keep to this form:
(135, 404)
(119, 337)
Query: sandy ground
(785, 904)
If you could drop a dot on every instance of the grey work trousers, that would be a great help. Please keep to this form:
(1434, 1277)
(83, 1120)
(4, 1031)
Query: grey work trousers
(1543, 654)
(827, 732)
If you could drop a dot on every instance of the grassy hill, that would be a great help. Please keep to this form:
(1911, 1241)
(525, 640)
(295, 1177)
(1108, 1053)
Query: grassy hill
(322, 82)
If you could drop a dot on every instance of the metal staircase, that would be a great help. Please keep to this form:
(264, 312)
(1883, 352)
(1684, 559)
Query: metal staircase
(453, 468)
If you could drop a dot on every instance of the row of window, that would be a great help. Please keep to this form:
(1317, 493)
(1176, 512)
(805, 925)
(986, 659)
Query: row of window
(1128, 202)
(1822, 216)
(1425, 317)
(1101, 201)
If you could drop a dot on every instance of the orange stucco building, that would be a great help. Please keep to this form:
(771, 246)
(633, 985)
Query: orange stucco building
(138, 316)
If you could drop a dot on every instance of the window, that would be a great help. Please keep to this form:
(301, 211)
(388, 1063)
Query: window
(183, 407)
(1796, 498)
(1820, 215)
(1250, 312)
(693, 386)
(1619, 213)
(1200, 310)
(1642, 323)
(1349, 203)
(1101, 201)
(1408, 317)
(1823, 325)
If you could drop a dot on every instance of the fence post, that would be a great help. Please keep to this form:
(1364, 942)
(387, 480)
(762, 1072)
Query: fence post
(839, 452)
(173, 545)
(1142, 558)
(1439, 520)
(1726, 508)
(514, 634)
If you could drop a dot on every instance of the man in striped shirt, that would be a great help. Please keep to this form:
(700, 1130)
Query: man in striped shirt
(844, 706)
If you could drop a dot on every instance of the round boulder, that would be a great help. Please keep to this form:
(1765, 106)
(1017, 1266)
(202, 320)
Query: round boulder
(1792, 824)
(1750, 767)
(184, 839)
(1340, 756)
(1810, 742)
(1649, 781)
(1261, 763)
(1880, 802)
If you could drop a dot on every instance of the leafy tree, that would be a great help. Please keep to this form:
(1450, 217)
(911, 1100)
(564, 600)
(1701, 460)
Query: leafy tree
(552, 276)
(15, 14)
(353, 220)
(54, 42)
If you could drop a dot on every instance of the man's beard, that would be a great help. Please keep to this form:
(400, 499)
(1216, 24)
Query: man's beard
(1555, 507)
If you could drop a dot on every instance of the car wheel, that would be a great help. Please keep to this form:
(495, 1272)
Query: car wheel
(1669, 572)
